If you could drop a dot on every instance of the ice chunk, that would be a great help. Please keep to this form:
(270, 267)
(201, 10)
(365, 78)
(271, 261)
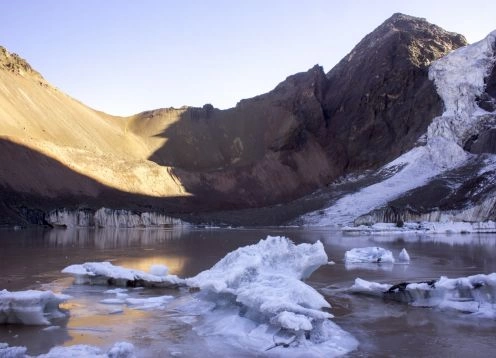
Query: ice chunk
(118, 350)
(149, 303)
(369, 255)
(259, 296)
(159, 270)
(266, 277)
(473, 294)
(12, 352)
(104, 273)
(30, 307)
(404, 256)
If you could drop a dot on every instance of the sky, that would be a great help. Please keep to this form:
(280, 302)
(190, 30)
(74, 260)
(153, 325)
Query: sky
(128, 56)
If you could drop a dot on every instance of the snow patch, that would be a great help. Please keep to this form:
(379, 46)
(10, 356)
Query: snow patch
(30, 307)
(104, 273)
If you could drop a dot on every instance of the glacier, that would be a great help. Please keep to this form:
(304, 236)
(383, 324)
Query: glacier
(30, 307)
(106, 217)
(459, 79)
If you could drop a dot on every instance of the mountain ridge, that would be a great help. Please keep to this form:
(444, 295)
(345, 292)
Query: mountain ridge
(310, 130)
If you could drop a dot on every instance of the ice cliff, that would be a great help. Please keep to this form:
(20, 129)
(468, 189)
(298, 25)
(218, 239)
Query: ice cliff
(105, 217)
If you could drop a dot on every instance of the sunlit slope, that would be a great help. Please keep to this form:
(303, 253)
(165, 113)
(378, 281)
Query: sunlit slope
(39, 117)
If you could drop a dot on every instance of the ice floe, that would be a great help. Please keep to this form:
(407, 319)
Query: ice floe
(473, 294)
(258, 301)
(145, 303)
(369, 255)
(118, 350)
(447, 227)
(104, 273)
(30, 307)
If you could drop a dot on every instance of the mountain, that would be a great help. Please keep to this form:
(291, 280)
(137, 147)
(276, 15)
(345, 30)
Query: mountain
(311, 130)
(450, 175)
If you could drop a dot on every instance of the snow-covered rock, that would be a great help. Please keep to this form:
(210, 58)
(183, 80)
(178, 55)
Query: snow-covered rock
(30, 307)
(473, 294)
(105, 217)
(104, 273)
(368, 255)
(265, 279)
(118, 350)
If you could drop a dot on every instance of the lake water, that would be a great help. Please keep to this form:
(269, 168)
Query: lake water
(34, 259)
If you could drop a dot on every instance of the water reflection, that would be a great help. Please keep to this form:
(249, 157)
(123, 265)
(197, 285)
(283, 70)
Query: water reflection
(369, 266)
(109, 238)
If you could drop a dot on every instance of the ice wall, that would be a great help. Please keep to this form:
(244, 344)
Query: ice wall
(115, 218)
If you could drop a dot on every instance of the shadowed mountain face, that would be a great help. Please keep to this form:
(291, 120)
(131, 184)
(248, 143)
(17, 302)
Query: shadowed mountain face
(308, 131)
(312, 128)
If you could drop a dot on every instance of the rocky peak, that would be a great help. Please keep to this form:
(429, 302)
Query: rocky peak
(380, 99)
(12, 62)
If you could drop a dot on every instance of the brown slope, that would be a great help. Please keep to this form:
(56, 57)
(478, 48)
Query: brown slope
(35, 115)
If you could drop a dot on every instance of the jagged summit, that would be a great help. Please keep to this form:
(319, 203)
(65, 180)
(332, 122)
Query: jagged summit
(12, 62)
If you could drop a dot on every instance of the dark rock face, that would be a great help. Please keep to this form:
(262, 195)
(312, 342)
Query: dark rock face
(380, 100)
(313, 128)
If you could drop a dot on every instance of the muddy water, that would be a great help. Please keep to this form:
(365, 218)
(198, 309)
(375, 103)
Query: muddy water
(33, 259)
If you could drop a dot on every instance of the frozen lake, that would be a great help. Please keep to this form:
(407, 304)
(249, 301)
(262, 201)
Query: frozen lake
(34, 259)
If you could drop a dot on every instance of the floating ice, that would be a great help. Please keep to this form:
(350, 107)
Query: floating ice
(118, 350)
(404, 256)
(148, 303)
(473, 294)
(277, 309)
(104, 273)
(30, 307)
(12, 352)
(369, 255)
(446, 227)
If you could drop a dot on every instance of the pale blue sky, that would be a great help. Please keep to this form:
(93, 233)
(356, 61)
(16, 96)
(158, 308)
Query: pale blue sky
(125, 57)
